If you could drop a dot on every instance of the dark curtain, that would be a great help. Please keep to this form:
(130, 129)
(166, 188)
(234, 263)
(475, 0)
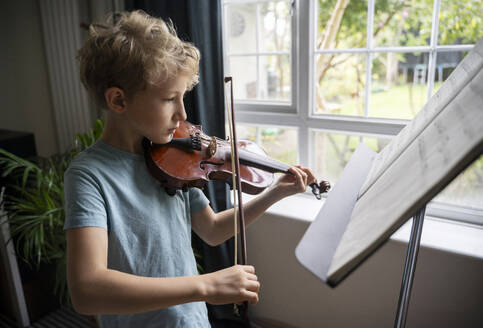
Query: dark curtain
(199, 22)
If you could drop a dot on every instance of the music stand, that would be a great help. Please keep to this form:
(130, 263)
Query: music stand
(332, 221)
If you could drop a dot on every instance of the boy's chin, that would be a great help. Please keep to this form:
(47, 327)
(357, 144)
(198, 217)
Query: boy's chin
(161, 138)
(164, 139)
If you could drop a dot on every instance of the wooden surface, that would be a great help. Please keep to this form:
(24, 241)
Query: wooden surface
(442, 140)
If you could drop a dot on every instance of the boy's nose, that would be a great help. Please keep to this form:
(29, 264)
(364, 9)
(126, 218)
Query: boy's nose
(181, 113)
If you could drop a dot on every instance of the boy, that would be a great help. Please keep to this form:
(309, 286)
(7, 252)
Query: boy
(129, 255)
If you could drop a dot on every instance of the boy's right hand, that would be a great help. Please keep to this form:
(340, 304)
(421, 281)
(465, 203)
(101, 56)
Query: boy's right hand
(235, 284)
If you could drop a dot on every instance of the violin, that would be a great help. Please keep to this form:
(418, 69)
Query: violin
(192, 158)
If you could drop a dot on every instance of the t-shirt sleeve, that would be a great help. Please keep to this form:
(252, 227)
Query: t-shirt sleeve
(198, 200)
(84, 204)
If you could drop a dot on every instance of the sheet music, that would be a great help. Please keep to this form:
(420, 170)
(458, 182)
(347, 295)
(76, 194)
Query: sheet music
(471, 64)
(429, 161)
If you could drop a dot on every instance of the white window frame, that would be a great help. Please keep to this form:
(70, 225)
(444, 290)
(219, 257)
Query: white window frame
(300, 114)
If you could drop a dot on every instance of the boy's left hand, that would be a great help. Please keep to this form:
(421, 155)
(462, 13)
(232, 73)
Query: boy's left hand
(290, 184)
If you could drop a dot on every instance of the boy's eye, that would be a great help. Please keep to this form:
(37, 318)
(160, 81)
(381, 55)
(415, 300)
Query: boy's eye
(170, 99)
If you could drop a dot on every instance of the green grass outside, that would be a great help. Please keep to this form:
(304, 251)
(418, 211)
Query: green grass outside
(398, 102)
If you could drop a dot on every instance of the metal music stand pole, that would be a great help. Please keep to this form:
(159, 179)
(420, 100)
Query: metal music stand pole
(409, 268)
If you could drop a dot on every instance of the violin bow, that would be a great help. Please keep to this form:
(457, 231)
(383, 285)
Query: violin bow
(237, 190)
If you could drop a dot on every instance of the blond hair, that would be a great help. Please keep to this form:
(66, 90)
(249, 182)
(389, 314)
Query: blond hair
(131, 51)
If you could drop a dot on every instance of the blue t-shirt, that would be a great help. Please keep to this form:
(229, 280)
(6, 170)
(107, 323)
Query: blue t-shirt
(149, 232)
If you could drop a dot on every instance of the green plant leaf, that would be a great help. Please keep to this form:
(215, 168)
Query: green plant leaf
(25, 176)
(35, 205)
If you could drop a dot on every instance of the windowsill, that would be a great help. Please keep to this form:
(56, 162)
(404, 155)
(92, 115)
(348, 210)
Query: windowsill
(449, 236)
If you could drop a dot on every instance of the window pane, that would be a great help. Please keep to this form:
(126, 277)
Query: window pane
(255, 29)
(466, 189)
(398, 85)
(275, 26)
(402, 23)
(340, 83)
(279, 143)
(460, 21)
(333, 152)
(244, 72)
(241, 20)
(350, 33)
(275, 77)
(446, 62)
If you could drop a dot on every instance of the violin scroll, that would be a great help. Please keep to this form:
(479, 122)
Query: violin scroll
(319, 189)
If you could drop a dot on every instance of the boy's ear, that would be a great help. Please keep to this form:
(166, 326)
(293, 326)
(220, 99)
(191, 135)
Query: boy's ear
(115, 99)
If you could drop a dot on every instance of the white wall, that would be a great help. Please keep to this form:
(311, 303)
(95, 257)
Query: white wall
(25, 102)
(447, 290)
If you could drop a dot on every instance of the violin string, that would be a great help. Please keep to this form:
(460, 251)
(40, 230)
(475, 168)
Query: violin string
(254, 157)
(261, 159)
(235, 191)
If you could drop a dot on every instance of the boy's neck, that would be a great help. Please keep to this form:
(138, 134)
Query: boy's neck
(117, 135)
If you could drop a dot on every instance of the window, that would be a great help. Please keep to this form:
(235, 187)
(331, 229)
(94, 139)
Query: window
(258, 44)
(320, 76)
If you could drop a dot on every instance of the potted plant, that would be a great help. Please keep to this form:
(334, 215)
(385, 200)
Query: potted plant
(34, 203)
